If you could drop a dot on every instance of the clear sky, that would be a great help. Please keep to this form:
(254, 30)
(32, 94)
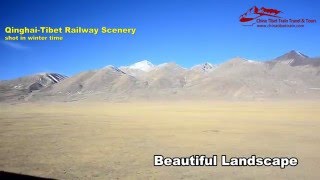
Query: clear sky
(186, 32)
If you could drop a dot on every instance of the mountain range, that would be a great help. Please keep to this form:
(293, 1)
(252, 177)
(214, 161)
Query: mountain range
(290, 76)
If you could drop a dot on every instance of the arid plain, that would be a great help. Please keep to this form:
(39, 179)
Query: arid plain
(118, 140)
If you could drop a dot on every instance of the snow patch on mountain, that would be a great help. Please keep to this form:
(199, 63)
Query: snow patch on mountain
(254, 62)
(142, 65)
(205, 67)
(54, 77)
(113, 68)
(300, 54)
(163, 65)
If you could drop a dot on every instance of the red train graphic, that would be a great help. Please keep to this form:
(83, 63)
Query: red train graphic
(255, 12)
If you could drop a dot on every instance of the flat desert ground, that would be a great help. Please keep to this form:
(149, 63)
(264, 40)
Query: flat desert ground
(119, 140)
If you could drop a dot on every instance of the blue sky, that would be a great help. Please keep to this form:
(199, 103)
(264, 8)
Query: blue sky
(185, 32)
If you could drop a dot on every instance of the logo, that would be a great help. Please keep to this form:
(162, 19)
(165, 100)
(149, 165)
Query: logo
(271, 17)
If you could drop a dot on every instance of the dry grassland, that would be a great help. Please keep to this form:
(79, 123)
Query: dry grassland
(118, 140)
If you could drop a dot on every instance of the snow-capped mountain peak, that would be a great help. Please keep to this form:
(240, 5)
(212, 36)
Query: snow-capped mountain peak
(296, 55)
(54, 77)
(300, 54)
(142, 65)
(113, 68)
(205, 67)
(293, 58)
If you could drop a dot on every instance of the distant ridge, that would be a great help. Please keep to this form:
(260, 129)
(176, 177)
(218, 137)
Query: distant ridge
(292, 75)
